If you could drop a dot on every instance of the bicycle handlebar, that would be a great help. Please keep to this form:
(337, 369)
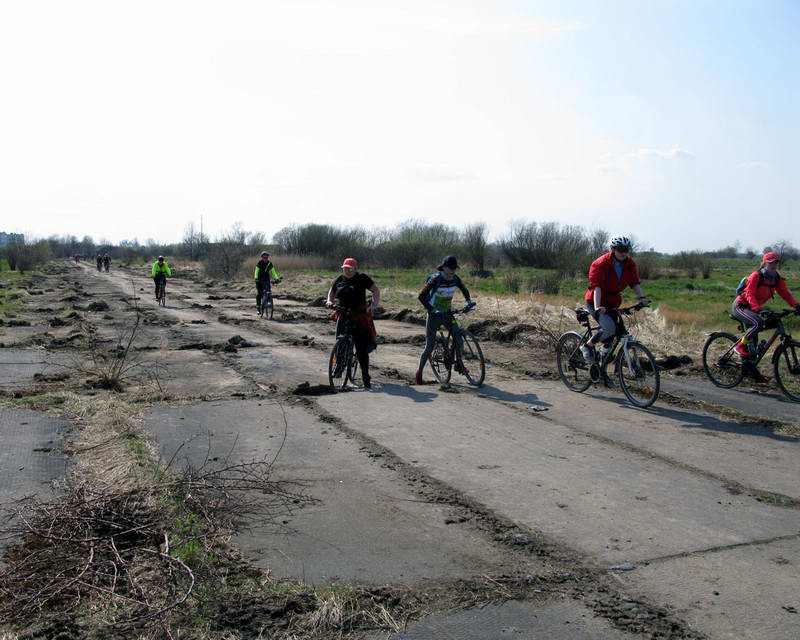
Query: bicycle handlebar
(633, 308)
(777, 315)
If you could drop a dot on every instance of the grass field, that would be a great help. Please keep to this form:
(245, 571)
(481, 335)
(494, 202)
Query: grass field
(9, 292)
(686, 303)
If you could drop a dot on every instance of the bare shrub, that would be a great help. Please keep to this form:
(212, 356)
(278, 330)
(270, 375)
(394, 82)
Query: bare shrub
(475, 239)
(512, 281)
(647, 265)
(548, 245)
(548, 282)
(225, 257)
(693, 262)
(23, 255)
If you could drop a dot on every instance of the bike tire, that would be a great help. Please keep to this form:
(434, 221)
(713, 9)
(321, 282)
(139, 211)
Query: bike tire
(352, 368)
(572, 368)
(162, 298)
(720, 362)
(440, 360)
(337, 353)
(472, 362)
(648, 394)
(786, 366)
(270, 309)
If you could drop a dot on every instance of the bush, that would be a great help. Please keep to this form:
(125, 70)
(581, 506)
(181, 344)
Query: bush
(549, 282)
(647, 264)
(693, 262)
(549, 245)
(512, 281)
(24, 256)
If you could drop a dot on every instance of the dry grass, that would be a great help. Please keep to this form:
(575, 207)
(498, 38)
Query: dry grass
(110, 443)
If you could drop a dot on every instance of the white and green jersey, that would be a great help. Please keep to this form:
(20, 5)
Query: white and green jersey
(439, 291)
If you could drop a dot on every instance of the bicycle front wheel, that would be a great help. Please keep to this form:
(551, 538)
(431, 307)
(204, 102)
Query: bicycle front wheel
(338, 363)
(352, 367)
(471, 361)
(787, 369)
(720, 362)
(270, 308)
(638, 375)
(440, 359)
(572, 368)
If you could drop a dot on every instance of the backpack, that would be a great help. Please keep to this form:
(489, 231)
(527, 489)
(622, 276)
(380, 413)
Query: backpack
(743, 282)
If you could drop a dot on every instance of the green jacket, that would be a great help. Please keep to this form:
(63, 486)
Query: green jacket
(160, 269)
(265, 270)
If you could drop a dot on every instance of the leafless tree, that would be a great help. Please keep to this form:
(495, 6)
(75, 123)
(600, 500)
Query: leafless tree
(475, 239)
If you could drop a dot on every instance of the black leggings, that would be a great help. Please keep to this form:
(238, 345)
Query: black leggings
(261, 287)
(362, 342)
(158, 280)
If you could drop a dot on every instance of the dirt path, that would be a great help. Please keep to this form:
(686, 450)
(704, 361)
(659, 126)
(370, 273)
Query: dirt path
(702, 513)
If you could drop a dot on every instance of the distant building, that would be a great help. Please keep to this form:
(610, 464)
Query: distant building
(10, 238)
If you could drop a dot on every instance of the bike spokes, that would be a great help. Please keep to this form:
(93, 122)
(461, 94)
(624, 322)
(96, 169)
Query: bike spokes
(572, 368)
(440, 359)
(787, 369)
(722, 364)
(471, 362)
(638, 374)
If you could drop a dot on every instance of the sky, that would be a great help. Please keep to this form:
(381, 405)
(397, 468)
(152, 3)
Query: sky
(673, 121)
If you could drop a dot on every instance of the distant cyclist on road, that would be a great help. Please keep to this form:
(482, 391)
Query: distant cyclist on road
(265, 276)
(160, 272)
(759, 289)
(106, 261)
(609, 276)
(437, 297)
(349, 290)
(99, 261)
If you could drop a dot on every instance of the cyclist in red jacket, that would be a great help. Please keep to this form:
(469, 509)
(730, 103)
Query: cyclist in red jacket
(747, 306)
(609, 276)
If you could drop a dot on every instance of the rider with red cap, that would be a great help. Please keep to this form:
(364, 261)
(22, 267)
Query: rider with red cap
(747, 307)
(349, 290)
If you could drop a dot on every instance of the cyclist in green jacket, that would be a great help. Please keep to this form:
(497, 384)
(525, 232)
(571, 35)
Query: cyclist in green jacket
(160, 271)
(265, 276)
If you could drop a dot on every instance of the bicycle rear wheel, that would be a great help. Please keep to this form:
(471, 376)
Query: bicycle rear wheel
(473, 367)
(786, 364)
(572, 368)
(720, 362)
(440, 359)
(638, 375)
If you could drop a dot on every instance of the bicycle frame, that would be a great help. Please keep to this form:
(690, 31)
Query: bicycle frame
(780, 334)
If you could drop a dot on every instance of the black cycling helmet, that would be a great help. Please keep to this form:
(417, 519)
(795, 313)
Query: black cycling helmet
(161, 258)
(449, 261)
(620, 242)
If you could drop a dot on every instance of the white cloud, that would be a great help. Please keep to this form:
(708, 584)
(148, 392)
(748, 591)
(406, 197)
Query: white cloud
(675, 153)
(441, 174)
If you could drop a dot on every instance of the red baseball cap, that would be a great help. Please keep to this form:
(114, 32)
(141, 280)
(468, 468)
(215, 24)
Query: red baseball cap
(350, 262)
(771, 256)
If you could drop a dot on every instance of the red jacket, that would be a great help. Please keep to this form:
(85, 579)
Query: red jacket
(602, 274)
(759, 290)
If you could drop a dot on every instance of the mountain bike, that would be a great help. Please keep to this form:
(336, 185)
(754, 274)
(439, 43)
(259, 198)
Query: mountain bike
(457, 349)
(726, 368)
(634, 365)
(343, 362)
(161, 292)
(267, 307)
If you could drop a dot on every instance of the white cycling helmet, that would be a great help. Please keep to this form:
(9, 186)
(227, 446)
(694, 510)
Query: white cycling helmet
(620, 242)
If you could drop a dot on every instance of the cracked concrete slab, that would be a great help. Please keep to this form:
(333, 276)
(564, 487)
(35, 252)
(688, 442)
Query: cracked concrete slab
(514, 620)
(746, 593)
(366, 526)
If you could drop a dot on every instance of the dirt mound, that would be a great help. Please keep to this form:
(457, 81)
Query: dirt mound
(673, 362)
(405, 315)
(308, 389)
(99, 305)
